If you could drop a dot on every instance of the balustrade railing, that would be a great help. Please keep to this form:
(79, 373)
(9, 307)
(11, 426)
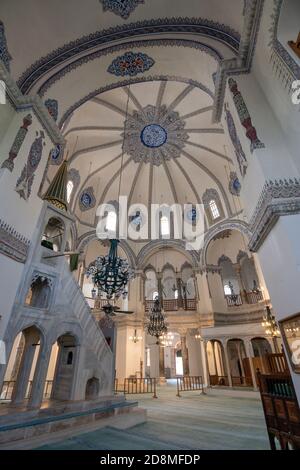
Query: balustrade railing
(254, 297)
(8, 387)
(277, 363)
(234, 300)
(172, 305)
(7, 390)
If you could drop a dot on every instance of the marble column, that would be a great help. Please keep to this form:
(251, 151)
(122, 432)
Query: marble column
(250, 354)
(39, 379)
(237, 269)
(162, 378)
(214, 356)
(206, 378)
(225, 349)
(20, 389)
(185, 355)
(179, 289)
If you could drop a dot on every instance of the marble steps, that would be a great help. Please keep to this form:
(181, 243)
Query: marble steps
(26, 425)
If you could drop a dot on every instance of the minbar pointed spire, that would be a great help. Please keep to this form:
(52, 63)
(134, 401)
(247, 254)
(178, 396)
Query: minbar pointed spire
(56, 194)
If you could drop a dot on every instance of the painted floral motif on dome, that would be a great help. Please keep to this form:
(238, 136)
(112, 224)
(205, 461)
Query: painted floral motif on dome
(25, 181)
(123, 8)
(239, 152)
(87, 199)
(4, 54)
(234, 184)
(130, 64)
(52, 106)
(154, 135)
(56, 155)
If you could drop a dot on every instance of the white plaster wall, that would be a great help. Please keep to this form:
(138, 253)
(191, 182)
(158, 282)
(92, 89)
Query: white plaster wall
(6, 115)
(275, 161)
(277, 96)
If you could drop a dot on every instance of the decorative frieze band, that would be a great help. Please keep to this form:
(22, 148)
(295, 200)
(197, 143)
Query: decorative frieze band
(12, 243)
(210, 268)
(279, 197)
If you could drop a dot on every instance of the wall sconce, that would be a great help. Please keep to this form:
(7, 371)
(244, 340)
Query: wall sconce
(135, 338)
(198, 336)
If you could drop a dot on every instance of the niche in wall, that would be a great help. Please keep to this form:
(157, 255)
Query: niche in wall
(38, 295)
(53, 234)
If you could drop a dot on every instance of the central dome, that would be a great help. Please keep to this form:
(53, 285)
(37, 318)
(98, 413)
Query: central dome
(154, 136)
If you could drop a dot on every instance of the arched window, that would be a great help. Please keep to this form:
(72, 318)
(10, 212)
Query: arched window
(213, 206)
(70, 358)
(215, 213)
(176, 294)
(111, 222)
(154, 295)
(53, 234)
(227, 290)
(70, 187)
(165, 226)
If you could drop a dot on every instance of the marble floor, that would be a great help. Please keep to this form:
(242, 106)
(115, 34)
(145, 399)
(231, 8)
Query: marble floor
(198, 422)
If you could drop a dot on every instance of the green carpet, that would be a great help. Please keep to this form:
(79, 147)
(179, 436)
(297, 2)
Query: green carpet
(197, 422)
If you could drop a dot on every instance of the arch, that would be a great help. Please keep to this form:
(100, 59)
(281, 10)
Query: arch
(65, 367)
(81, 46)
(53, 233)
(156, 245)
(239, 363)
(88, 237)
(260, 346)
(92, 388)
(217, 367)
(39, 292)
(22, 364)
(233, 224)
(64, 329)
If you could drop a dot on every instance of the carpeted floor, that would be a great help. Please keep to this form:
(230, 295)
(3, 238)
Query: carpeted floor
(197, 422)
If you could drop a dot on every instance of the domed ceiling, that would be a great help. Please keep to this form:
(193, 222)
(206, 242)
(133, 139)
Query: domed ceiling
(153, 142)
(69, 49)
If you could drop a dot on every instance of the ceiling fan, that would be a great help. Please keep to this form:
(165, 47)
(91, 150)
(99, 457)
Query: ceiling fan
(112, 310)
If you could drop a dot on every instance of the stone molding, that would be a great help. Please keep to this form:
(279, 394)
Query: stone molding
(278, 198)
(12, 243)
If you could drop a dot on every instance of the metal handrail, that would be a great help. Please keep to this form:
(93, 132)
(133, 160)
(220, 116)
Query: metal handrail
(189, 384)
(137, 386)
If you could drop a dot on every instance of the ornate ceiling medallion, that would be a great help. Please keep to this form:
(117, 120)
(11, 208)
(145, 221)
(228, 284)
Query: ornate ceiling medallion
(130, 64)
(123, 8)
(154, 135)
(234, 184)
